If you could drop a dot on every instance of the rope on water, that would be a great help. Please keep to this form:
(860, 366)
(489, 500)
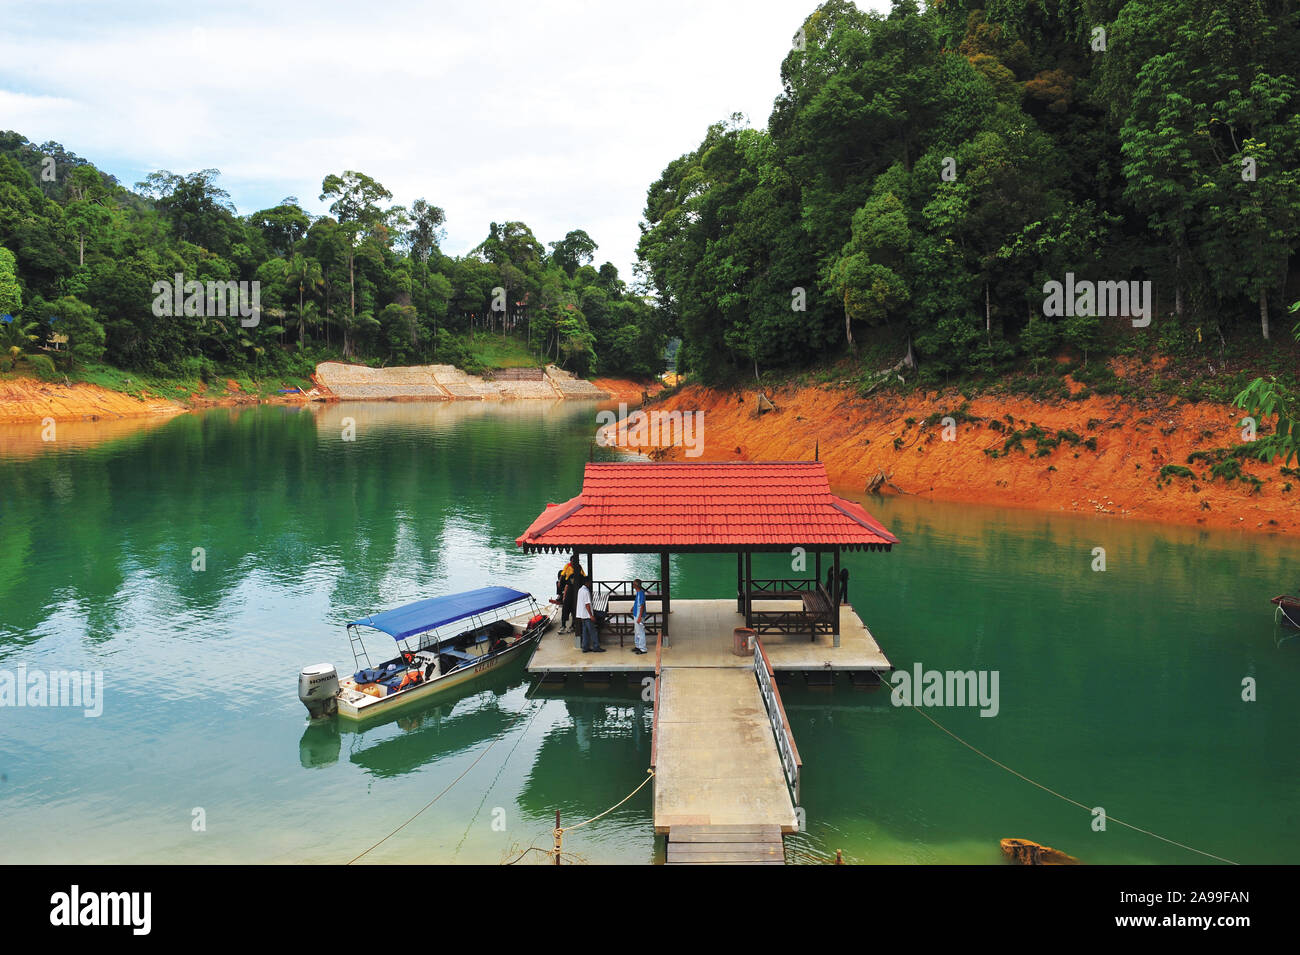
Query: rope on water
(1073, 802)
(431, 801)
(492, 785)
(560, 830)
(650, 774)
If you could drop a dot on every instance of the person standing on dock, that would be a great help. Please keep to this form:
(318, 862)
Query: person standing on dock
(638, 615)
(568, 592)
(844, 585)
(585, 618)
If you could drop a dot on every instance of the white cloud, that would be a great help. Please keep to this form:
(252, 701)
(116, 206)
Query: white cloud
(558, 114)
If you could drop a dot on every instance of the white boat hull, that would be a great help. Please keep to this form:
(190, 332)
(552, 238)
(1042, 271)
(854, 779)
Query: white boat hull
(353, 704)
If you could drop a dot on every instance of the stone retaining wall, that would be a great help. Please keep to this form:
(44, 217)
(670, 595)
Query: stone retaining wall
(446, 383)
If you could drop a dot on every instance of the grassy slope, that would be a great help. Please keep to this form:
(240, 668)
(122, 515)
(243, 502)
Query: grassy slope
(488, 350)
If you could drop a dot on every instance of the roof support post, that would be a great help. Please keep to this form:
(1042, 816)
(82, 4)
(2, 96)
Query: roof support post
(749, 589)
(740, 582)
(835, 599)
(817, 575)
(666, 591)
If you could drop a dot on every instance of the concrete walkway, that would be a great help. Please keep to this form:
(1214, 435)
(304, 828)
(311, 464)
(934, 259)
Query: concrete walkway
(716, 757)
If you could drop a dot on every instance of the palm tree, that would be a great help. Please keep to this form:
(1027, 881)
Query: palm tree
(308, 316)
(306, 273)
(15, 340)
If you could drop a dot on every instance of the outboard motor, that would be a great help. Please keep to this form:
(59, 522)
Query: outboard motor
(318, 687)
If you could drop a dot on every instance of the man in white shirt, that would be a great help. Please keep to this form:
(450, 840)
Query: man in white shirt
(586, 619)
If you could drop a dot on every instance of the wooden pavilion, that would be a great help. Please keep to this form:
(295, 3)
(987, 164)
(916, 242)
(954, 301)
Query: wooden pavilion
(738, 507)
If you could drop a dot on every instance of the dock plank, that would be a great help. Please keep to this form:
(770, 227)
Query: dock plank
(709, 834)
(725, 845)
(733, 850)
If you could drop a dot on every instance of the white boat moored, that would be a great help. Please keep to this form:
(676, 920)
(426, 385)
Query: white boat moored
(444, 642)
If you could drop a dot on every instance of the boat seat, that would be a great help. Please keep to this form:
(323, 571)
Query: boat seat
(378, 674)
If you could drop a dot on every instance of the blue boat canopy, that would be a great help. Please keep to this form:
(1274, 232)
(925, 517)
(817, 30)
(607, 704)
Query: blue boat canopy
(407, 621)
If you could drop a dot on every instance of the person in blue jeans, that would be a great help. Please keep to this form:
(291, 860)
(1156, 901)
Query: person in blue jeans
(586, 619)
(638, 615)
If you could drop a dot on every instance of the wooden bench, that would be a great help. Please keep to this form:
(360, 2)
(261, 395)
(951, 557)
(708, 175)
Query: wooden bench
(817, 615)
(621, 622)
(818, 609)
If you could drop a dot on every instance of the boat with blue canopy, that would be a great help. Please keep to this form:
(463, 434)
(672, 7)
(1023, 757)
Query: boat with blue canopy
(442, 642)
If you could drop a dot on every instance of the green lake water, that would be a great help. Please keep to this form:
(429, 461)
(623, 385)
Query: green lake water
(1120, 689)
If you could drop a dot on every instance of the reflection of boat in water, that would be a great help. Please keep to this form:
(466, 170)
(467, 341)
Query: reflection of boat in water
(320, 744)
(1287, 613)
(489, 627)
(454, 722)
(457, 723)
(1028, 852)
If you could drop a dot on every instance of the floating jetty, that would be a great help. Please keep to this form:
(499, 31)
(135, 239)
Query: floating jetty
(702, 636)
(727, 768)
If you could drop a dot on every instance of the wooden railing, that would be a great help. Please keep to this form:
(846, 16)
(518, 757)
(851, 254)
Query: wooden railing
(622, 589)
(791, 764)
(780, 589)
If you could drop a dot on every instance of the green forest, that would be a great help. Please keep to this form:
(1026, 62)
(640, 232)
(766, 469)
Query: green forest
(923, 177)
(80, 255)
(923, 174)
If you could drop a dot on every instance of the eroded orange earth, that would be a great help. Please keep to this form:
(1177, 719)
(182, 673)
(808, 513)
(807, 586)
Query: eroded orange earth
(860, 439)
(30, 399)
(35, 414)
(626, 390)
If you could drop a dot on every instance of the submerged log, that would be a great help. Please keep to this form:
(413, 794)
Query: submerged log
(881, 481)
(1028, 852)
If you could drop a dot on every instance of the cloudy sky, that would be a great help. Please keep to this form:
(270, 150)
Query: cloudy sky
(559, 113)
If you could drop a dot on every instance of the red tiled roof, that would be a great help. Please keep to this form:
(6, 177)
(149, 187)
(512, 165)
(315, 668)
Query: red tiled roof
(735, 505)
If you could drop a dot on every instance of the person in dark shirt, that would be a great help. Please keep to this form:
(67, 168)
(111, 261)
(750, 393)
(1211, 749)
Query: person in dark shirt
(844, 585)
(568, 591)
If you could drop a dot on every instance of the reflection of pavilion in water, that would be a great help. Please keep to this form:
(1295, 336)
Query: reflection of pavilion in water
(601, 713)
(591, 761)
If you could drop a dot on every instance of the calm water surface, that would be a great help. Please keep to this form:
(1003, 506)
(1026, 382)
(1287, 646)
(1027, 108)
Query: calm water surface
(1119, 689)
